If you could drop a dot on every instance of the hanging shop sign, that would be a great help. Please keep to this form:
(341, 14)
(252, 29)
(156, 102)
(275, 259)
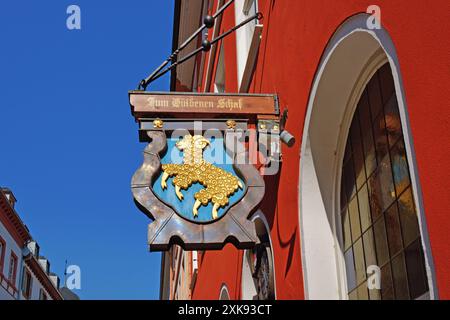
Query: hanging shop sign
(197, 183)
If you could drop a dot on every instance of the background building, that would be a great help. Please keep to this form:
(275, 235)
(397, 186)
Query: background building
(178, 273)
(365, 188)
(24, 273)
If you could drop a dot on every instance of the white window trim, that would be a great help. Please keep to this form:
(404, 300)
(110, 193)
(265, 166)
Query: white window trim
(220, 77)
(245, 35)
(252, 56)
(247, 6)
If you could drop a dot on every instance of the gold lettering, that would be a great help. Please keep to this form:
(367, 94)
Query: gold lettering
(221, 104)
(155, 103)
(151, 102)
(193, 103)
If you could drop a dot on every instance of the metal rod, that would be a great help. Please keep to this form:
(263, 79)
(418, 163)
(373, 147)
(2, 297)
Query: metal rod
(190, 55)
(196, 33)
(198, 50)
(224, 7)
(240, 25)
(144, 83)
(147, 80)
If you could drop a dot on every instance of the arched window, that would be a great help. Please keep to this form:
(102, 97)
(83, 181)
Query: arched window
(258, 276)
(379, 218)
(224, 294)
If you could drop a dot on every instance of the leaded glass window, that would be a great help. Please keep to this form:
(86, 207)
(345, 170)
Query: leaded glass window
(379, 218)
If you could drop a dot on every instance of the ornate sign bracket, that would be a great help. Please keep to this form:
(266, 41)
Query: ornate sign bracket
(228, 195)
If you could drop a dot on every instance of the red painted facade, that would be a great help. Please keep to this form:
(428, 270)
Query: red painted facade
(294, 38)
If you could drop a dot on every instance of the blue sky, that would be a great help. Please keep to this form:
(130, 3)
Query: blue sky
(69, 144)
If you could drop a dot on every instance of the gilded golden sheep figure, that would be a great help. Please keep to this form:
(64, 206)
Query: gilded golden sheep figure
(219, 184)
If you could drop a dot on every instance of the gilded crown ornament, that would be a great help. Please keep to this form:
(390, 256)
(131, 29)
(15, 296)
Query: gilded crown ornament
(158, 123)
(231, 124)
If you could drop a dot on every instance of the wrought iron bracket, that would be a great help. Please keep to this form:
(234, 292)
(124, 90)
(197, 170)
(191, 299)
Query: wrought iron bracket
(174, 60)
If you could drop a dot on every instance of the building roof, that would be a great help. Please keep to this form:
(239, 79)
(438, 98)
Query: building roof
(12, 221)
(42, 276)
(68, 294)
(20, 233)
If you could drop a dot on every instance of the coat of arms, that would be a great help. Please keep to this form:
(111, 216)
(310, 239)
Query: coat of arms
(218, 184)
(191, 186)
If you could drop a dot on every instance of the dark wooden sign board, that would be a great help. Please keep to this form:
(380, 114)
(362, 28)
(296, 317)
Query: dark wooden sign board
(146, 104)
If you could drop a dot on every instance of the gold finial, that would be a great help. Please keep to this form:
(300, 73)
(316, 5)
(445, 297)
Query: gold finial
(231, 124)
(158, 123)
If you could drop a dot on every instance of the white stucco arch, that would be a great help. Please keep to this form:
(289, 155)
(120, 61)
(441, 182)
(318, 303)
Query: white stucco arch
(351, 58)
